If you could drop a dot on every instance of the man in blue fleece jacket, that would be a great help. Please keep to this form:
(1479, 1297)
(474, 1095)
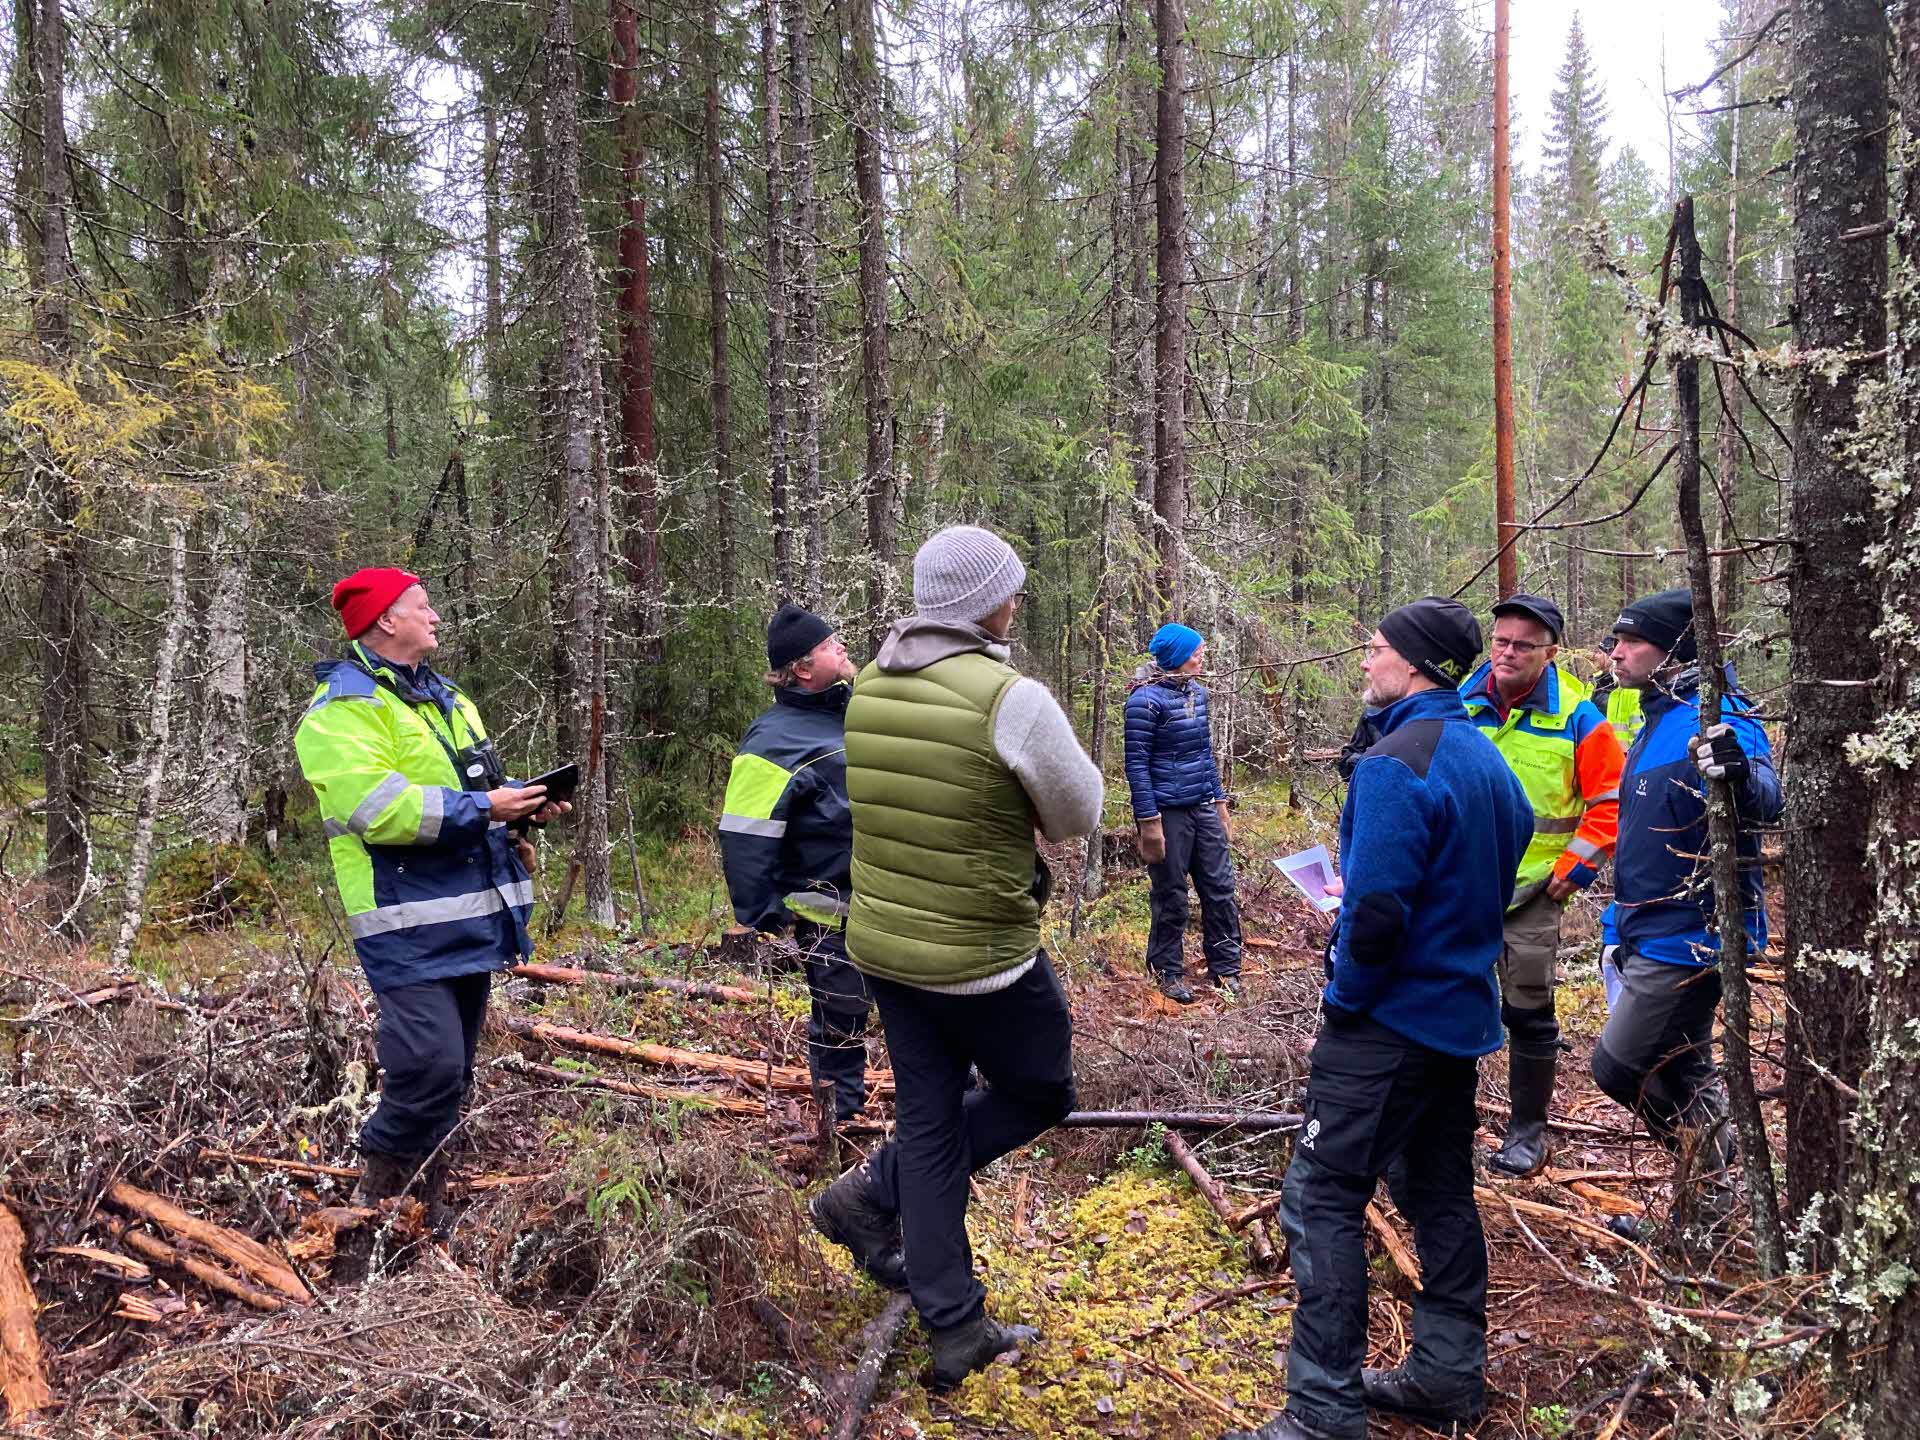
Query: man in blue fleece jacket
(1430, 839)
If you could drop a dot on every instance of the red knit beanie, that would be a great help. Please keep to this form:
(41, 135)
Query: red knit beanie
(363, 597)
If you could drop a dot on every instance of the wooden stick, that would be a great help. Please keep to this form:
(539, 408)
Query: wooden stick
(1604, 1200)
(212, 1276)
(1180, 1382)
(1181, 1120)
(876, 1344)
(706, 1099)
(1020, 1188)
(780, 1077)
(1561, 1217)
(1634, 1387)
(131, 1269)
(1403, 1259)
(1262, 1243)
(1208, 1187)
(1259, 1210)
(291, 1167)
(101, 996)
(692, 989)
(242, 1251)
(23, 1378)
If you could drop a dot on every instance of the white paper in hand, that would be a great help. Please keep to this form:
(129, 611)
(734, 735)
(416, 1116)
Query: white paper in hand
(1311, 871)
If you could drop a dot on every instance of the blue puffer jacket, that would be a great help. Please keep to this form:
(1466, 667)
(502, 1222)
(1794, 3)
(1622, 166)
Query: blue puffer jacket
(1170, 747)
(1662, 897)
(1430, 838)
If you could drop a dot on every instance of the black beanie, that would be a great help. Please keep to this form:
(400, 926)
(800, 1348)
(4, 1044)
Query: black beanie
(1439, 638)
(1666, 620)
(792, 633)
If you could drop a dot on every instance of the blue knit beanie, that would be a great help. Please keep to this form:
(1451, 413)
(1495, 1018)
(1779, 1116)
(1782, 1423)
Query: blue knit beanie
(1173, 645)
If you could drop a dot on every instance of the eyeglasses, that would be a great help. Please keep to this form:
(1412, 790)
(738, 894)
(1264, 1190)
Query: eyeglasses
(1373, 650)
(1522, 648)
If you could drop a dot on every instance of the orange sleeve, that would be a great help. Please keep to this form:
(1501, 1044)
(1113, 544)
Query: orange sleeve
(1598, 762)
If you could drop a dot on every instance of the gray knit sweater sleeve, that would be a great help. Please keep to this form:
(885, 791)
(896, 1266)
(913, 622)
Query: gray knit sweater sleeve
(1032, 734)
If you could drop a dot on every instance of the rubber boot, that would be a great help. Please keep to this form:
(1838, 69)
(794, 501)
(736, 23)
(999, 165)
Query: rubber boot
(1530, 1090)
(959, 1350)
(382, 1176)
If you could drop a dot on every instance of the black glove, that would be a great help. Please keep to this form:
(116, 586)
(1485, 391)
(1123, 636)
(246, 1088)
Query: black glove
(1718, 756)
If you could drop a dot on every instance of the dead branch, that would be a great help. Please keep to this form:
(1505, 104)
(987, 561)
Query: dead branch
(666, 1094)
(242, 1251)
(23, 1379)
(1208, 1187)
(692, 989)
(876, 1344)
(212, 1276)
(1403, 1259)
(1180, 1120)
(778, 1077)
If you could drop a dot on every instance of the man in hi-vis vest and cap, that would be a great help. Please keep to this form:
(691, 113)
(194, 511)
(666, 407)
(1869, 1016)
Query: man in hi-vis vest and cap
(953, 761)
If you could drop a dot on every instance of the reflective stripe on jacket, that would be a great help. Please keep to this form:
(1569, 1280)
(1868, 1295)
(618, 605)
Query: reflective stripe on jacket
(430, 882)
(786, 835)
(1563, 752)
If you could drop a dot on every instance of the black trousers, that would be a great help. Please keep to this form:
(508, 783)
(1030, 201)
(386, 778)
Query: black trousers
(1021, 1038)
(1656, 1054)
(836, 1047)
(426, 1039)
(1196, 846)
(1374, 1097)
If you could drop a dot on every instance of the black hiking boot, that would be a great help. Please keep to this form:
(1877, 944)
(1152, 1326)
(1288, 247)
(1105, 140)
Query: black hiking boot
(1530, 1090)
(1176, 989)
(382, 1176)
(972, 1345)
(1230, 986)
(1399, 1392)
(1284, 1426)
(846, 1213)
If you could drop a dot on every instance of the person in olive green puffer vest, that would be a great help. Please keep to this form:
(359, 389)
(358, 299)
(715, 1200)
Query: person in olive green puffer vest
(953, 761)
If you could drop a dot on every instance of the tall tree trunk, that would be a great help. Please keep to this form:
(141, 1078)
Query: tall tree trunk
(153, 768)
(1170, 316)
(583, 539)
(717, 305)
(1383, 482)
(64, 642)
(227, 739)
(1728, 582)
(1883, 1223)
(804, 363)
(496, 324)
(1296, 277)
(1141, 408)
(1839, 182)
(778, 300)
(868, 130)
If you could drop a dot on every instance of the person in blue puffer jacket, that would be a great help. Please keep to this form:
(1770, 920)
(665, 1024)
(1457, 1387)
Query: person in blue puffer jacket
(1655, 1054)
(1180, 813)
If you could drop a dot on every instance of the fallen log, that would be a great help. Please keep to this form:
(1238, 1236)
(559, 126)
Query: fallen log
(120, 1264)
(210, 1275)
(755, 1072)
(640, 1090)
(1208, 1187)
(23, 1378)
(876, 1344)
(692, 989)
(242, 1251)
(1181, 1120)
(1403, 1259)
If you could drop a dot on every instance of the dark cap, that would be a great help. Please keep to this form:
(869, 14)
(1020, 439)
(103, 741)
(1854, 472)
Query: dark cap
(792, 633)
(1439, 638)
(1665, 619)
(1534, 607)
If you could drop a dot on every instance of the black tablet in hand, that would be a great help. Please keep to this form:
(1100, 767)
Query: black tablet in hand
(560, 783)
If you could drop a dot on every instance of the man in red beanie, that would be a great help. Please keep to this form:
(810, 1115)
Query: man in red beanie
(436, 888)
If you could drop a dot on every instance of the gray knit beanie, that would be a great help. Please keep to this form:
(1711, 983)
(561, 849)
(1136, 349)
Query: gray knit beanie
(964, 573)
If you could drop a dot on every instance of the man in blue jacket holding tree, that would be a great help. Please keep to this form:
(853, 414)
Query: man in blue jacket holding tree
(1180, 814)
(1430, 840)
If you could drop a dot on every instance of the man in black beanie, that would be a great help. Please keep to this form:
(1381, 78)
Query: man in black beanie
(1430, 839)
(1655, 1055)
(786, 839)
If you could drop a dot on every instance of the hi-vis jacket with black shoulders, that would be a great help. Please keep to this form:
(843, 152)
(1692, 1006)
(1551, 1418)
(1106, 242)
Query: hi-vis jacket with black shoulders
(430, 881)
(786, 832)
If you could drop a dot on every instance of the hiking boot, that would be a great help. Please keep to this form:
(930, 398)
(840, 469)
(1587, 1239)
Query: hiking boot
(433, 1193)
(1400, 1392)
(1230, 986)
(1530, 1089)
(972, 1345)
(846, 1213)
(1284, 1426)
(1176, 989)
(382, 1176)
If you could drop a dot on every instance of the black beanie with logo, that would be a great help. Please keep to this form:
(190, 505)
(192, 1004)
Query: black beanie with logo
(1439, 638)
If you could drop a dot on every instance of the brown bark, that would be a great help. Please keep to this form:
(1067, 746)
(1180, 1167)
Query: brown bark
(210, 1275)
(877, 1340)
(1215, 1197)
(1838, 60)
(752, 1072)
(721, 389)
(241, 1251)
(1170, 311)
(879, 482)
(23, 1378)
(1505, 535)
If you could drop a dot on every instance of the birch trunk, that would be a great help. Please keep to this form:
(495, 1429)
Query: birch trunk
(154, 768)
